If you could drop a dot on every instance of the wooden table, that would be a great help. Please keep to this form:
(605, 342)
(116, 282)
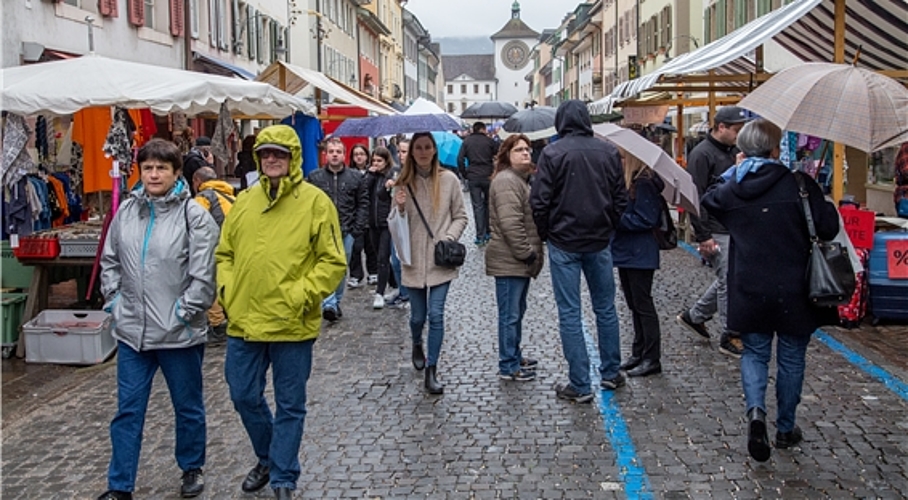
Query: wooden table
(40, 287)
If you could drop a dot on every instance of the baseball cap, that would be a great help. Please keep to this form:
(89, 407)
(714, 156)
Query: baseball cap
(731, 115)
(277, 147)
(203, 141)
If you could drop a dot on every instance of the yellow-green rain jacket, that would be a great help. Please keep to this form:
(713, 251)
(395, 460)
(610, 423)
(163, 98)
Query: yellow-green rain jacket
(278, 258)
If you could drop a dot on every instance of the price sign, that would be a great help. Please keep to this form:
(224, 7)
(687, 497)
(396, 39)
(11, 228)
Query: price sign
(897, 258)
(859, 226)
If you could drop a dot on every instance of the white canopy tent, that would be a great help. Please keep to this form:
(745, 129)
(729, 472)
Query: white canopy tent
(64, 87)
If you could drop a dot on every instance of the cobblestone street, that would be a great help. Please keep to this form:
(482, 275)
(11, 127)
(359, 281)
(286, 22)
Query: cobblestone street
(372, 432)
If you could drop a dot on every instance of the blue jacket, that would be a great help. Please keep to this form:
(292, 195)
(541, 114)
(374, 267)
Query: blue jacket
(634, 245)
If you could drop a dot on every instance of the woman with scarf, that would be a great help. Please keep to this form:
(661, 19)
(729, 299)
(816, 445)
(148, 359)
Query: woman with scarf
(760, 204)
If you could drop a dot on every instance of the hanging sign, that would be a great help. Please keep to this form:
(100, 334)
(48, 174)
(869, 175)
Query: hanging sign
(897, 259)
(644, 115)
(859, 226)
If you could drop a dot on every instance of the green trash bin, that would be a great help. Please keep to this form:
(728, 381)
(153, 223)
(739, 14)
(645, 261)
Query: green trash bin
(13, 274)
(13, 307)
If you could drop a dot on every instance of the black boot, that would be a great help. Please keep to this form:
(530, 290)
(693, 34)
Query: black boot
(757, 438)
(433, 386)
(419, 358)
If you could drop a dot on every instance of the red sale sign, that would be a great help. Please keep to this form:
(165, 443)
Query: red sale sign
(897, 259)
(859, 226)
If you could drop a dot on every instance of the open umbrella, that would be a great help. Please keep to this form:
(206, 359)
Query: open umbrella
(536, 123)
(679, 187)
(380, 126)
(838, 102)
(489, 109)
(448, 148)
(699, 128)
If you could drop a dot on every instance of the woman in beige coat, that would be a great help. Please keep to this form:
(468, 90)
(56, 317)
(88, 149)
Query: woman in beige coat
(438, 194)
(515, 253)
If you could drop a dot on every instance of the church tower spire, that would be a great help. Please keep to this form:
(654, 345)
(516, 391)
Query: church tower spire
(515, 10)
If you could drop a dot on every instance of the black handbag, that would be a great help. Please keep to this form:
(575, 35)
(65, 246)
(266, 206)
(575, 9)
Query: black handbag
(447, 253)
(830, 276)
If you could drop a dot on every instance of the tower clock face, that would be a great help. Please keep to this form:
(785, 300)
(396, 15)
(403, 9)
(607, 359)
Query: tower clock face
(515, 54)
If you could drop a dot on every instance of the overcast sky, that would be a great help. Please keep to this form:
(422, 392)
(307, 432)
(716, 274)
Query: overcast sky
(449, 18)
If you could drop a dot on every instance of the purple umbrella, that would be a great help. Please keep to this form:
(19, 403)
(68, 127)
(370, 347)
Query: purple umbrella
(380, 126)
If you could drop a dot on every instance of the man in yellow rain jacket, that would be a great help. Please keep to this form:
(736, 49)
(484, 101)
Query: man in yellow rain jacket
(281, 252)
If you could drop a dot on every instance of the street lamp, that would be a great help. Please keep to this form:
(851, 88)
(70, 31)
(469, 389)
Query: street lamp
(669, 47)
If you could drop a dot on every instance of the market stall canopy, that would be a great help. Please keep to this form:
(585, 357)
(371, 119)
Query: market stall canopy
(64, 87)
(294, 79)
(876, 28)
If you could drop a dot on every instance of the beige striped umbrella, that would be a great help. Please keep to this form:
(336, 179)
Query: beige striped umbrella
(838, 102)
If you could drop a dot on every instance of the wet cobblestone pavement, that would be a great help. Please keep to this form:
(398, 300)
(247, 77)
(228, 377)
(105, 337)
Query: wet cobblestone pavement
(372, 432)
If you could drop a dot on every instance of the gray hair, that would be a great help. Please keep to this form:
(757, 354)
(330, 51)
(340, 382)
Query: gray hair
(759, 138)
(204, 174)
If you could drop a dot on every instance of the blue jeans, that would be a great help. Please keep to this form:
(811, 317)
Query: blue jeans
(791, 351)
(182, 369)
(275, 438)
(597, 269)
(511, 295)
(429, 302)
(395, 268)
(335, 298)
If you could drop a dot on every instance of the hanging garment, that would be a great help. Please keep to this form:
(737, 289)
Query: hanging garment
(90, 126)
(224, 133)
(62, 205)
(41, 138)
(16, 211)
(146, 127)
(16, 162)
(118, 144)
(43, 220)
(310, 132)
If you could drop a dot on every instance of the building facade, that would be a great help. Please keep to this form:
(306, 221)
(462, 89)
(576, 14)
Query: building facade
(513, 44)
(468, 79)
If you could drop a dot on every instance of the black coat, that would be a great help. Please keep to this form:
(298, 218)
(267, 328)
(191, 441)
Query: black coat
(578, 192)
(705, 163)
(480, 150)
(379, 197)
(767, 260)
(348, 192)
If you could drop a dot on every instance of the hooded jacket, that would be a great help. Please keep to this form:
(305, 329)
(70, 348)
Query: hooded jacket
(280, 255)
(769, 248)
(348, 190)
(217, 197)
(157, 270)
(514, 236)
(579, 192)
(635, 246)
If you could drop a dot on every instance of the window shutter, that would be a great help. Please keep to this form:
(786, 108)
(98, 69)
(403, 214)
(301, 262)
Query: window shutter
(237, 31)
(176, 17)
(250, 31)
(223, 36)
(259, 35)
(108, 8)
(136, 12)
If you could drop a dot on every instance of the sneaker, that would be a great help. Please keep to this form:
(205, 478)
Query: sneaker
(684, 320)
(528, 363)
(518, 376)
(478, 242)
(393, 294)
(396, 301)
(193, 483)
(372, 279)
(116, 495)
(610, 384)
(354, 283)
(378, 302)
(565, 391)
(731, 346)
(331, 314)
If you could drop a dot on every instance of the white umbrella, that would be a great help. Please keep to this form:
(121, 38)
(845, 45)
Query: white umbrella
(838, 102)
(679, 187)
(64, 87)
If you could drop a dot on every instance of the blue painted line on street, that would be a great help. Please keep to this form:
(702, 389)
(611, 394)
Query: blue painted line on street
(630, 468)
(892, 382)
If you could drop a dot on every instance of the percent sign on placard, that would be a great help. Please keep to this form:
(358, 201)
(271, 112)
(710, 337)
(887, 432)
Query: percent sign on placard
(897, 259)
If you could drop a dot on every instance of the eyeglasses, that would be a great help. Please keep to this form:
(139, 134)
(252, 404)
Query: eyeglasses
(276, 153)
(521, 150)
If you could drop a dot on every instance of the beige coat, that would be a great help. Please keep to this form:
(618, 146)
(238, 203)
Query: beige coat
(514, 236)
(447, 223)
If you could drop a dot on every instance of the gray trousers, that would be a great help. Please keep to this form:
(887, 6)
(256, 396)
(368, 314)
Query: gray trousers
(716, 297)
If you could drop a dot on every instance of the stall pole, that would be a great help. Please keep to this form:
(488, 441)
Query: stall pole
(838, 149)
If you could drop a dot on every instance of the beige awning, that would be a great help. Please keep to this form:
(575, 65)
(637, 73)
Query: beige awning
(294, 79)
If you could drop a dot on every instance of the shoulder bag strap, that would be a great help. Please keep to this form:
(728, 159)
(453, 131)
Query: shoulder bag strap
(802, 189)
(419, 210)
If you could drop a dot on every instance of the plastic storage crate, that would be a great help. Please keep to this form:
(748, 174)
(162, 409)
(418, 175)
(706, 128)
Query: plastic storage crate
(37, 248)
(13, 307)
(888, 297)
(68, 337)
(78, 247)
(15, 275)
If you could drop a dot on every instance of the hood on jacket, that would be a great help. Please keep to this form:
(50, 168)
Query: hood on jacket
(219, 186)
(758, 182)
(282, 135)
(573, 118)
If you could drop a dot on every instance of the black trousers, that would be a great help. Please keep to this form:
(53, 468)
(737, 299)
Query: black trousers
(637, 285)
(363, 243)
(479, 196)
(381, 239)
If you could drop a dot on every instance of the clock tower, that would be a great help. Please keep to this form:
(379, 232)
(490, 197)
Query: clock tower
(513, 44)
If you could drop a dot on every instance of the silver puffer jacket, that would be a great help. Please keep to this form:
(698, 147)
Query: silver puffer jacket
(157, 270)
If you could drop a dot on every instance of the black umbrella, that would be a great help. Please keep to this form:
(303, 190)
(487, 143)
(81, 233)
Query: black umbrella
(489, 109)
(536, 123)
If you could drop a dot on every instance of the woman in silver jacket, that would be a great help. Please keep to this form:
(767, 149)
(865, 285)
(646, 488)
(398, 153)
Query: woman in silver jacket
(158, 280)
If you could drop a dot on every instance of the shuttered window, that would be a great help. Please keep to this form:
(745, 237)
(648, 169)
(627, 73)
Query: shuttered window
(250, 31)
(176, 17)
(136, 12)
(108, 8)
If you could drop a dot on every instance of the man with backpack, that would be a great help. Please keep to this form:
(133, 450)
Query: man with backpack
(199, 156)
(217, 197)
